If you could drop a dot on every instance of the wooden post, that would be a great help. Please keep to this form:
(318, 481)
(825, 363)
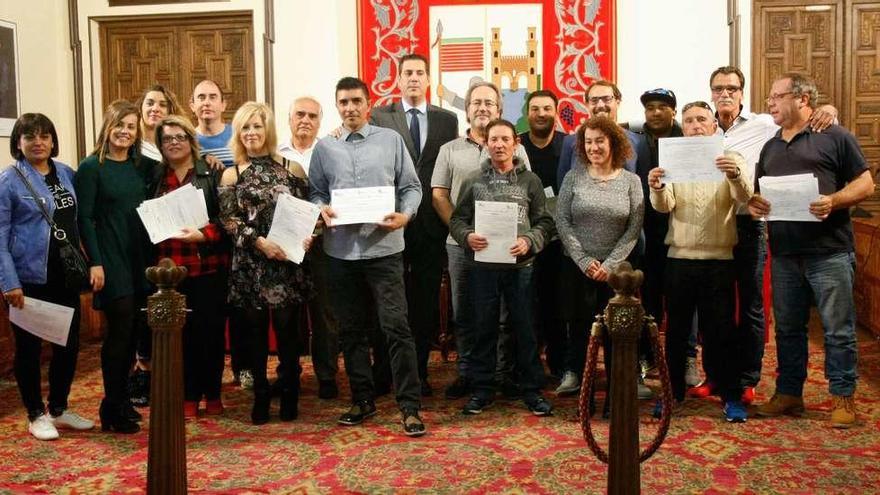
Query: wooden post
(166, 315)
(624, 317)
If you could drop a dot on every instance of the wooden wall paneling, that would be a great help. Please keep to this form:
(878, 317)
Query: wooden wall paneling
(863, 76)
(136, 58)
(803, 36)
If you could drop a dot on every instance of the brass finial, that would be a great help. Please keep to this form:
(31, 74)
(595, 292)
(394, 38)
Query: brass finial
(625, 281)
(166, 274)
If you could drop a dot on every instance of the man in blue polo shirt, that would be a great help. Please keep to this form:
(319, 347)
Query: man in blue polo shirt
(812, 261)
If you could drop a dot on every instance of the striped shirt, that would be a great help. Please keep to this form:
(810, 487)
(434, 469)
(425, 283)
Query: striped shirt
(218, 146)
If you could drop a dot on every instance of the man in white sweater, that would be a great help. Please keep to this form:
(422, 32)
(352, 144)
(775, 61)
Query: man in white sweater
(699, 269)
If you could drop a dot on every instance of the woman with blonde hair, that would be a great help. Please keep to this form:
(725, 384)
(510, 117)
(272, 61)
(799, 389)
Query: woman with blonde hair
(110, 183)
(263, 284)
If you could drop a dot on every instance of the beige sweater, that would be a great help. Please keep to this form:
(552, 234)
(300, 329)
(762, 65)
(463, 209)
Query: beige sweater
(702, 220)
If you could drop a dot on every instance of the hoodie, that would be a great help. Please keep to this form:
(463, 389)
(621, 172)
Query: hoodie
(519, 186)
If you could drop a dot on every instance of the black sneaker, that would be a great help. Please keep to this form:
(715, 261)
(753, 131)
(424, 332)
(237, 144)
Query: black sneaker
(461, 387)
(539, 406)
(413, 426)
(361, 410)
(476, 405)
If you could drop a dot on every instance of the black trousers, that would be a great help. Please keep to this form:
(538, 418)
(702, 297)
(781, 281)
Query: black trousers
(550, 327)
(423, 266)
(325, 334)
(383, 277)
(118, 351)
(708, 287)
(285, 321)
(28, 349)
(203, 338)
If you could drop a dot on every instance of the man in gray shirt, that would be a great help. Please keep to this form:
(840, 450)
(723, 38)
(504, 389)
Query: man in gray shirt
(368, 255)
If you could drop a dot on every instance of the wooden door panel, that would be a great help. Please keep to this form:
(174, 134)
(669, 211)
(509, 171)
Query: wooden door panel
(803, 36)
(178, 52)
(863, 58)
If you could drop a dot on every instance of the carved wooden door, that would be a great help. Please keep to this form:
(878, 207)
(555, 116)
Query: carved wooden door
(178, 52)
(800, 36)
(863, 76)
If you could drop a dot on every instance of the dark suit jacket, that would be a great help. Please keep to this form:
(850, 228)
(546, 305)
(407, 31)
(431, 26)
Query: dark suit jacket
(442, 128)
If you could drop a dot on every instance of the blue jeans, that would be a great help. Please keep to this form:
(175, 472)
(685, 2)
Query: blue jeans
(487, 287)
(829, 280)
(749, 255)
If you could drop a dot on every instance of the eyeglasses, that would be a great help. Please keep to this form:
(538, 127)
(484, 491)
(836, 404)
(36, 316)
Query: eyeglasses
(171, 138)
(725, 89)
(485, 103)
(604, 99)
(778, 96)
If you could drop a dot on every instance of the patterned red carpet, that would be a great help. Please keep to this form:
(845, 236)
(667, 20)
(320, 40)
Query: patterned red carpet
(504, 450)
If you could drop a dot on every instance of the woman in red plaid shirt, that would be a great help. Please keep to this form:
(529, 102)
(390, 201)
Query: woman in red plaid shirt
(204, 253)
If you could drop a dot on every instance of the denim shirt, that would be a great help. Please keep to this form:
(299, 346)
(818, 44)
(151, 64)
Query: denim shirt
(24, 233)
(377, 158)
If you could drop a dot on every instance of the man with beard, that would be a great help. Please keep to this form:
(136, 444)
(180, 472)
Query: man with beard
(544, 145)
(457, 160)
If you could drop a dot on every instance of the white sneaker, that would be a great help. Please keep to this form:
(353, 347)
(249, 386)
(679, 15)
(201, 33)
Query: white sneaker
(570, 384)
(691, 374)
(644, 391)
(73, 421)
(246, 378)
(42, 428)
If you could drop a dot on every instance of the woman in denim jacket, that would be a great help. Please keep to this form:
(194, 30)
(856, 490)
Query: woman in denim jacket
(30, 265)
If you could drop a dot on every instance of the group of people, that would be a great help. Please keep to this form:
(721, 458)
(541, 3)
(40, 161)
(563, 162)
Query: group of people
(584, 203)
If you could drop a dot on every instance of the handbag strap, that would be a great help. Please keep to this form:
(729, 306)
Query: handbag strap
(58, 232)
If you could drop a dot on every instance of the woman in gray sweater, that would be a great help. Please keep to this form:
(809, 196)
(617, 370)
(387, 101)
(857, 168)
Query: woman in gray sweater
(599, 217)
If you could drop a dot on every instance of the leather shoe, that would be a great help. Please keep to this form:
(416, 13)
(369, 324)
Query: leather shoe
(360, 411)
(412, 423)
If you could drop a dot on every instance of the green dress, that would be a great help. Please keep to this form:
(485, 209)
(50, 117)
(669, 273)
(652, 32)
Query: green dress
(111, 230)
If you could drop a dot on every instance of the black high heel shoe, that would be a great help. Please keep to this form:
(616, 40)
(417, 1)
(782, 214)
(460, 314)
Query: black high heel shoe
(260, 411)
(113, 418)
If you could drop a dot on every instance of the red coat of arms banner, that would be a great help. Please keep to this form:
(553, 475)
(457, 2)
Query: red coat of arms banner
(559, 45)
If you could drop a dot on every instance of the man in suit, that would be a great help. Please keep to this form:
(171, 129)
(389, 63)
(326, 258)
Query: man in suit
(424, 129)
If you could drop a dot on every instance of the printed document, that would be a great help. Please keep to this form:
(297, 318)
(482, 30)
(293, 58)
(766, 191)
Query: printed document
(690, 159)
(166, 216)
(361, 204)
(790, 196)
(48, 321)
(496, 221)
(293, 222)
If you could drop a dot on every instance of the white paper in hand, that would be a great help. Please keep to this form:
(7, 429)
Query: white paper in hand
(790, 197)
(496, 221)
(293, 222)
(690, 159)
(48, 321)
(166, 216)
(361, 205)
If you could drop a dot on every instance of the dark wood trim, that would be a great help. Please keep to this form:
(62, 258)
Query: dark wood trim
(78, 96)
(733, 23)
(268, 53)
(127, 3)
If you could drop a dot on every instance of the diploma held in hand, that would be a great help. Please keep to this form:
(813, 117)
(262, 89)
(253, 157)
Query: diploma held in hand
(166, 216)
(293, 222)
(690, 159)
(496, 221)
(361, 204)
(48, 321)
(790, 196)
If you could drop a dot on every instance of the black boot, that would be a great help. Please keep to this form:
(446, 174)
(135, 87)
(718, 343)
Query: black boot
(113, 418)
(260, 412)
(289, 404)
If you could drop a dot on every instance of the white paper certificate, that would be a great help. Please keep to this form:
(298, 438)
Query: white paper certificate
(166, 216)
(293, 222)
(790, 196)
(361, 204)
(48, 321)
(496, 221)
(690, 159)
